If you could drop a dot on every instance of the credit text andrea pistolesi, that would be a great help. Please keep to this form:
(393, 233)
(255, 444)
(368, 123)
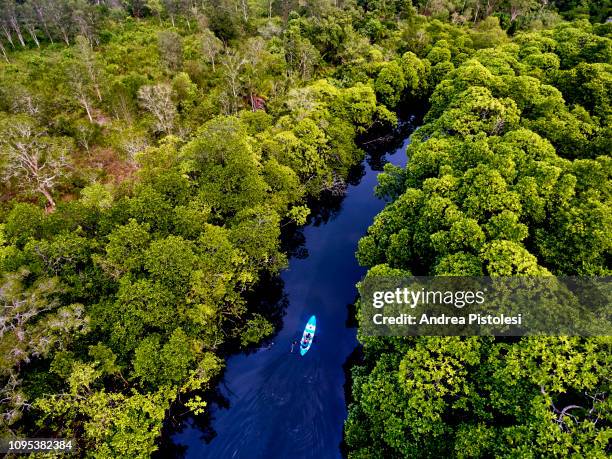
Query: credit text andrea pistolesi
(443, 319)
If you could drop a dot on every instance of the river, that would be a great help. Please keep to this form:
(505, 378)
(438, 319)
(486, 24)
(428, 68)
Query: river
(278, 404)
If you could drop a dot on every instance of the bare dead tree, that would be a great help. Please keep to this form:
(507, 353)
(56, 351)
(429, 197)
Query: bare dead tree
(589, 413)
(23, 101)
(32, 159)
(134, 145)
(157, 99)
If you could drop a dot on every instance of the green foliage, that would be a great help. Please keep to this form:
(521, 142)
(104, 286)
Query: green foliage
(255, 330)
(168, 159)
(497, 185)
(170, 141)
(117, 424)
(390, 84)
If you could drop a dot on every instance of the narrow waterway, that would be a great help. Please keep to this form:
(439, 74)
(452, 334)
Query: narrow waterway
(279, 404)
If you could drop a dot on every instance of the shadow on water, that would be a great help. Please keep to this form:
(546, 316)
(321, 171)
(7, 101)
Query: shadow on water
(269, 300)
(378, 146)
(270, 402)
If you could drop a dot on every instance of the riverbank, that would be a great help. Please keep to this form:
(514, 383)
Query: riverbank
(269, 395)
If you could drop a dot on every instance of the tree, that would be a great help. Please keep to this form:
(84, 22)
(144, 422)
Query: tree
(302, 57)
(519, 8)
(170, 47)
(85, 19)
(79, 84)
(164, 364)
(255, 330)
(60, 18)
(126, 425)
(87, 59)
(40, 8)
(156, 7)
(125, 248)
(21, 308)
(30, 21)
(233, 63)
(3, 51)
(211, 46)
(173, 8)
(227, 166)
(10, 21)
(390, 84)
(157, 99)
(33, 322)
(32, 158)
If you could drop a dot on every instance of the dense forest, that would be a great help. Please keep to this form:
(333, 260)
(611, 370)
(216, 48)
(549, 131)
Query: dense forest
(509, 175)
(153, 151)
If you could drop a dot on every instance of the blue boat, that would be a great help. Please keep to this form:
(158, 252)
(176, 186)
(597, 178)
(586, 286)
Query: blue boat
(308, 335)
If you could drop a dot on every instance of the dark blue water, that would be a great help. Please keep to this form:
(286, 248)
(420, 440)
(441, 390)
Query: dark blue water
(282, 405)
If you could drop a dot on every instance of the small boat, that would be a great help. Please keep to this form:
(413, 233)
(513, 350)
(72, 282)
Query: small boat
(308, 335)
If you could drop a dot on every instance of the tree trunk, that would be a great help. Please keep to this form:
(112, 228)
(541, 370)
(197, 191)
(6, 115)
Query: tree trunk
(33, 35)
(17, 30)
(8, 35)
(47, 195)
(48, 33)
(3, 51)
(245, 10)
(86, 105)
(98, 93)
(41, 17)
(65, 35)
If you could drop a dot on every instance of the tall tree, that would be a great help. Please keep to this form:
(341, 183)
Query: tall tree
(3, 51)
(30, 21)
(42, 13)
(10, 18)
(170, 46)
(87, 59)
(211, 46)
(157, 99)
(81, 89)
(233, 63)
(60, 18)
(31, 158)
